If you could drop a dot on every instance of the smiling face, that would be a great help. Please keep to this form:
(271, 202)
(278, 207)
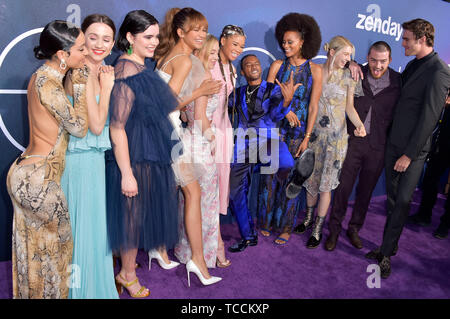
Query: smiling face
(232, 46)
(292, 43)
(251, 68)
(213, 55)
(195, 37)
(99, 41)
(378, 62)
(78, 52)
(411, 45)
(342, 56)
(145, 43)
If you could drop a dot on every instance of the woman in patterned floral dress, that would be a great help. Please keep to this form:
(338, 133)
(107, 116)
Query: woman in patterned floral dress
(42, 236)
(329, 138)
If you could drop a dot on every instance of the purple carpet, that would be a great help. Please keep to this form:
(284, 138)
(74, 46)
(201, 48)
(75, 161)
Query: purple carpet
(420, 269)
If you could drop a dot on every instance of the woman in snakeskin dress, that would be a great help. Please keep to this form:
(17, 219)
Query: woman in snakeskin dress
(42, 236)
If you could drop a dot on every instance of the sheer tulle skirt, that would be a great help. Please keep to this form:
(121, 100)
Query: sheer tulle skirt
(199, 150)
(149, 220)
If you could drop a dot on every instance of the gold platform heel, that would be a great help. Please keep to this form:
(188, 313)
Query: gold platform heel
(140, 294)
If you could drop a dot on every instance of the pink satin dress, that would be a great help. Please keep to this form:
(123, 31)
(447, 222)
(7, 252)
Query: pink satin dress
(224, 134)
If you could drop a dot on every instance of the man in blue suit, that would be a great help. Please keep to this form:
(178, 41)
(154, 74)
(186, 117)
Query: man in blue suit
(255, 109)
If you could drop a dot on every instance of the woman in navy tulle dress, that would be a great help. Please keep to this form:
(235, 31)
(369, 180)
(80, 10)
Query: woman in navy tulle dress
(141, 192)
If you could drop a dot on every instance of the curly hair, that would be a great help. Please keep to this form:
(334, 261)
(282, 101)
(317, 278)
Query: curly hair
(307, 27)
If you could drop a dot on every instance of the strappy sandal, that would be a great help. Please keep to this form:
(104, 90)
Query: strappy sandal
(218, 262)
(223, 265)
(140, 294)
(268, 232)
(284, 241)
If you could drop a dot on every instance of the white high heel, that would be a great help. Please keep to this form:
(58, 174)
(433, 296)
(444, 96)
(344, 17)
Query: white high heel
(192, 267)
(155, 254)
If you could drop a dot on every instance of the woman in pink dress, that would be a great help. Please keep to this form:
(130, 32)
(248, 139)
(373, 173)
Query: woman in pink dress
(232, 42)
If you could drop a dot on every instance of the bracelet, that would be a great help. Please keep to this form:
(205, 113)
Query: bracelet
(307, 135)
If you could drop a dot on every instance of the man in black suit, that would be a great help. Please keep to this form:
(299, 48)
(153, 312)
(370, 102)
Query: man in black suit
(425, 82)
(439, 162)
(365, 155)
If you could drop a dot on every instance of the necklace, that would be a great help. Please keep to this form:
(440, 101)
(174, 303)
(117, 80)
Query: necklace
(248, 94)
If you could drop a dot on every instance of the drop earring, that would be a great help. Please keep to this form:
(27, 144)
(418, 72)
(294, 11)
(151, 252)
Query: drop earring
(63, 64)
(130, 49)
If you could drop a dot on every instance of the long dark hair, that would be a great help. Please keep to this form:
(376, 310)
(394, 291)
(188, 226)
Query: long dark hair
(135, 22)
(228, 31)
(98, 18)
(57, 35)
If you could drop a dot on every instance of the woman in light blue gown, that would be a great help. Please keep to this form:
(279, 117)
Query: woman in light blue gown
(83, 180)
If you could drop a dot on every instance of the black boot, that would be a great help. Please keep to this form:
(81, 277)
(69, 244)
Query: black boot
(307, 222)
(303, 169)
(316, 235)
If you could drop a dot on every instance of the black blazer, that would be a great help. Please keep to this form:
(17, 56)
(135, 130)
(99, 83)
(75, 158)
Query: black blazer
(382, 105)
(419, 107)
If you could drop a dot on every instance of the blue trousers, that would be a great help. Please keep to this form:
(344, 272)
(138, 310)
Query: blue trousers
(240, 179)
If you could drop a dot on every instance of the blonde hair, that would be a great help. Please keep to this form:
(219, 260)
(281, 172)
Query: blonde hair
(203, 53)
(337, 43)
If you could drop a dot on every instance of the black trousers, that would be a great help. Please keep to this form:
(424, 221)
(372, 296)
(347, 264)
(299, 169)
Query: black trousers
(400, 187)
(360, 161)
(438, 164)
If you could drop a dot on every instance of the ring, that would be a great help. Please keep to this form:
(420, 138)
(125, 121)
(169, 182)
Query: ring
(292, 124)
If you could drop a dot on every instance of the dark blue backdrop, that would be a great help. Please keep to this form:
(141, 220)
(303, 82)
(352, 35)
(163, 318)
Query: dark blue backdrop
(362, 21)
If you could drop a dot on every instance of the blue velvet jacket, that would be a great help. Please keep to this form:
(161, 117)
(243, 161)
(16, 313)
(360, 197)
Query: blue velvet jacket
(268, 107)
(268, 111)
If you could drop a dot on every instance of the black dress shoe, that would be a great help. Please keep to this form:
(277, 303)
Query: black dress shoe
(385, 267)
(313, 242)
(441, 232)
(354, 239)
(419, 220)
(331, 242)
(373, 254)
(242, 244)
(376, 253)
(253, 241)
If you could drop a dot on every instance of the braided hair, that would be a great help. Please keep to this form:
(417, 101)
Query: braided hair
(227, 31)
